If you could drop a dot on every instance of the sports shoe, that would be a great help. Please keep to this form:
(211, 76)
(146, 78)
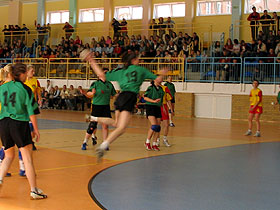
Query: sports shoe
(22, 173)
(158, 143)
(38, 194)
(94, 142)
(8, 174)
(99, 153)
(84, 146)
(248, 133)
(171, 125)
(165, 142)
(257, 134)
(87, 117)
(148, 146)
(155, 148)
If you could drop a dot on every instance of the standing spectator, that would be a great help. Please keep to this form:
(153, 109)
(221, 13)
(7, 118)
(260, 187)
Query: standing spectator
(170, 25)
(68, 30)
(265, 21)
(253, 18)
(116, 27)
(49, 86)
(123, 26)
(161, 27)
(154, 28)
(276, 23)
(261, 49)
(40, 31)
(78, 41)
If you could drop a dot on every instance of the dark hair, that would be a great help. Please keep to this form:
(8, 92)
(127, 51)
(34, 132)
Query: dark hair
(127, 58)
(255, 80)
(17, 70)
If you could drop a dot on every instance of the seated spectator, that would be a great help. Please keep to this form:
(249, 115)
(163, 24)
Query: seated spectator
(228, 46)
(45, 100)
(222, 72)
(235, 70)
(72, 98)
(261, 49)
(49, 86)
(51, 98)
(80, 99)
(56, 97)
(236, 48)
(277, 49)
(217, 49)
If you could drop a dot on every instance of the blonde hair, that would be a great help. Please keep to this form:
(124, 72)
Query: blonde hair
(29, 67)
(4, 72)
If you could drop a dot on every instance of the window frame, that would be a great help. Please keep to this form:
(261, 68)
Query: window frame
(209, 3)
(48, 18)
(116, 12)
(94, 18)
(155, 11)
(248, 9)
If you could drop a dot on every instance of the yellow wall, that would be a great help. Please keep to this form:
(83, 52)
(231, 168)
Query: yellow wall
(4, 16)
(29, 17)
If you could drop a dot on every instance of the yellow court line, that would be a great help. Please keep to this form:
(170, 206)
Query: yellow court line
(68, 167)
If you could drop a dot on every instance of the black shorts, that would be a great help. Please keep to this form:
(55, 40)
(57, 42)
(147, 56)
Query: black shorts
(173, 100)
(126, 101)
(101, 111)
(14, 132)
(152, 110)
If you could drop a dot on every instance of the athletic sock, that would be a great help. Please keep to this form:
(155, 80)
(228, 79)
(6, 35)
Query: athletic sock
(21, 165)
(93, 136)
(154, 143)
(104, 145)
(147, 141)
(249, 130)
(170, 121)
(92, 118)
(164, 138)
(85, 141)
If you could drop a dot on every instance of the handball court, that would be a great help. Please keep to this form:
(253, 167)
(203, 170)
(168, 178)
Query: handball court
(210, 165)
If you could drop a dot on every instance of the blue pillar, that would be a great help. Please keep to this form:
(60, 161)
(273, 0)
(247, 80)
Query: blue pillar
(73, 12)
(235, 19)
(41, 12)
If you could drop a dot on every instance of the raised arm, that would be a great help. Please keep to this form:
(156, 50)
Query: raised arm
(86, 55)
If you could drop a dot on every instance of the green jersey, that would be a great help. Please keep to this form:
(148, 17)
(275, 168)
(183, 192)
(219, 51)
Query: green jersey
(104, 91)
(130, 79)
(17, 101)
(154, 92)
(278, 97)
(171, 87)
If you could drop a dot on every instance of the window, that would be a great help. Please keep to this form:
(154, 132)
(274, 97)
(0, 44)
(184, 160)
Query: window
(261, 5)
(91, 15)
(129, 12)
(57, 17)
(213, 7)
(169, 10)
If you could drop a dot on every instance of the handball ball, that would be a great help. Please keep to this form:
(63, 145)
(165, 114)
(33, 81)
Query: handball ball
(84, 54)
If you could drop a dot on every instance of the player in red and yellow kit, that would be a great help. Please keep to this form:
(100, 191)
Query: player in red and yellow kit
(256, 108)
(34, 85)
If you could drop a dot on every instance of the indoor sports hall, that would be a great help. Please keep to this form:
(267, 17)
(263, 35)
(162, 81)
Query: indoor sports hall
(221, 151)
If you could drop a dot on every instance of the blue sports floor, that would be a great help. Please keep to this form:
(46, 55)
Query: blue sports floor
(229, 178)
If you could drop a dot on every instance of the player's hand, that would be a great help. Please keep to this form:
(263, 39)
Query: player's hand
(157, 100)
(37, 135)
(86, 55)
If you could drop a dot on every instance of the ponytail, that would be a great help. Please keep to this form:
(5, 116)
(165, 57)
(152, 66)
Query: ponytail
(127, 58)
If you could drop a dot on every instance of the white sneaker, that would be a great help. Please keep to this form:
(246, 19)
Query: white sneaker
(99, 153)
(257, 134)
(248, 133)
(38, 194)
(158, 143)
(165, 142)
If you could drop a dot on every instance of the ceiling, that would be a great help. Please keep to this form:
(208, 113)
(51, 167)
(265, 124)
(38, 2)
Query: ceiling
(6, 2)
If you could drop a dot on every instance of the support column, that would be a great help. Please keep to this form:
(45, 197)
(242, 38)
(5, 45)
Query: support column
(108, 8)
(190, 5)
(235, 19)
(147, 16)
(15, 12)
(41, 18)
(73, 13)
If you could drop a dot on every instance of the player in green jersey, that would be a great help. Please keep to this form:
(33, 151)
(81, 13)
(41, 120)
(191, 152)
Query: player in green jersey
(101, 92)
(154, 98)
(17, 107)
(130, 78)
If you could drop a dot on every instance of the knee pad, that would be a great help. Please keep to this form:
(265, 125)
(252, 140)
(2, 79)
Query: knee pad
(91, 127)
(2, 154)
(19, 155)
(156, 128)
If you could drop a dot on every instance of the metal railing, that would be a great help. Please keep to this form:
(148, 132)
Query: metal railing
(75, 68)
(233, 69)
